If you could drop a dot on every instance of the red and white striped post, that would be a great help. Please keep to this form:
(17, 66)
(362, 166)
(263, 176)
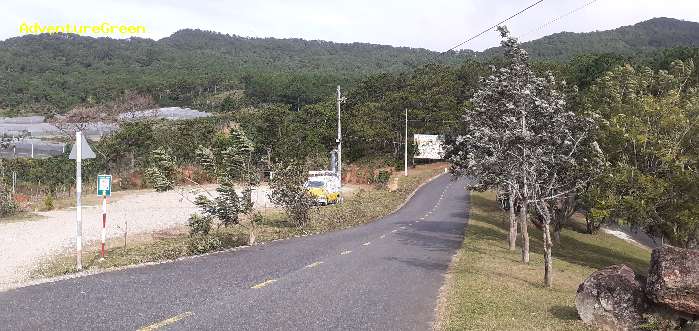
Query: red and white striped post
(104, 223)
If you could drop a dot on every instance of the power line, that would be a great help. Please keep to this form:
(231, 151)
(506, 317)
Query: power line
(494, 26)
(559, 18)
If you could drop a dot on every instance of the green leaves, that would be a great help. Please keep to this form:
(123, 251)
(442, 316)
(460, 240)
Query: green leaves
(650, 124)
(162, 170)
(229, 160)
(287, 190)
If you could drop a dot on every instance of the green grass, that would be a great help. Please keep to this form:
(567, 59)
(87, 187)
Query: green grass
(488, 288)
(363, 207)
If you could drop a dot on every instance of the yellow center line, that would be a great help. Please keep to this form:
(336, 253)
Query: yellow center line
(314, 264)
(345, 252)
(265, 283)
(166, 322)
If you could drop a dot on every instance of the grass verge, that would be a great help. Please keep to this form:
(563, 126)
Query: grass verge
(362, 207)
(489, 289)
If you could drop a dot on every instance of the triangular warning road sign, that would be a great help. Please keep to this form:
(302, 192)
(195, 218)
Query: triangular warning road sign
(85, 153)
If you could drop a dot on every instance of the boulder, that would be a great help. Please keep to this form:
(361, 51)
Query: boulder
(612, 299)
(673, 279)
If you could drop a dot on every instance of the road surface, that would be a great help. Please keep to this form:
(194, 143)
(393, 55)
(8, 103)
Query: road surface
(384, 275)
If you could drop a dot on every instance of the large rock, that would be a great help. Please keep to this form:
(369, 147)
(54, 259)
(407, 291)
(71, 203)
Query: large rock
(673, 278)
(612, 299)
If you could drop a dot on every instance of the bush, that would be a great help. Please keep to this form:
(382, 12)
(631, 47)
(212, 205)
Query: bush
(8, 205)
(287, 191)
(381, 179)
(48, 202)
(163, 170)
(199, 225)
(200, 244)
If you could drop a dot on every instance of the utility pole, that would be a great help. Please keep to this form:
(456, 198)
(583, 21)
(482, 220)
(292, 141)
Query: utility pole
(339, 138)
(405, 152)
(78, 191)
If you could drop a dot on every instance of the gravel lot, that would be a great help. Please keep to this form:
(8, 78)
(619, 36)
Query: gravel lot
(25, 244)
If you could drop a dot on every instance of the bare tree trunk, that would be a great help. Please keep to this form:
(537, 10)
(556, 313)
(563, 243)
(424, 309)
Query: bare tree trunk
(524, 228)
(548, 262)
(588, 223)
(557, 231)
(543, 209)
(513, 222)
(251, 237)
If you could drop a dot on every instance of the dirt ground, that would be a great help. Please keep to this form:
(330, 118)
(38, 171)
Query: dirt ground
(25, 244)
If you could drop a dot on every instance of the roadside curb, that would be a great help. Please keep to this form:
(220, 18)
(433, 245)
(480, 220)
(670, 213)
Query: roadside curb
(16, 286)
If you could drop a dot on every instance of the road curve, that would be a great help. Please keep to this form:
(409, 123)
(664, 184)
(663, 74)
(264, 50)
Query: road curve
(380, 276)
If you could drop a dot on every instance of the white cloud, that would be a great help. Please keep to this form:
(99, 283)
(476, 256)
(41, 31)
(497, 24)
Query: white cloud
(435, 24)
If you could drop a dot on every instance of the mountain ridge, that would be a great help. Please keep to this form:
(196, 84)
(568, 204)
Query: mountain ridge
(62, 70)
(650, 35)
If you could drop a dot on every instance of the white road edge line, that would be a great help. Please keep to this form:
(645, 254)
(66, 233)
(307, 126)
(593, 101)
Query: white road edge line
(166, 322)
(314, 264)
(263, 284)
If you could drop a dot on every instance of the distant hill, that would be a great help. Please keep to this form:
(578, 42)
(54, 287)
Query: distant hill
(65, 69)
(651, 35)
(41, 74)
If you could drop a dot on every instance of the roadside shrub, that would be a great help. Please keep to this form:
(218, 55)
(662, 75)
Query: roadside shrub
(161, 174)
(199, 225)
(8, 205)
(200, 244)
(48, 202)
(286, 190)
(381, 179)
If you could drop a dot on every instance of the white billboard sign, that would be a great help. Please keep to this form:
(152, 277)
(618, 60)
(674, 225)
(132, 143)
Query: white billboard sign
(429, 146)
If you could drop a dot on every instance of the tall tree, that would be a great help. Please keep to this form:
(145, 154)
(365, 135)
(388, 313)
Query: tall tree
(650, 134)
(520, 136)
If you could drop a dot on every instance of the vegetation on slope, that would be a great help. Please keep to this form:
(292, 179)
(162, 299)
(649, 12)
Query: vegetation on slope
(488, 289)
(52, 72)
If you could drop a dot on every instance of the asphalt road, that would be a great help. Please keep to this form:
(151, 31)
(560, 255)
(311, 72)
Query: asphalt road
(381, 276)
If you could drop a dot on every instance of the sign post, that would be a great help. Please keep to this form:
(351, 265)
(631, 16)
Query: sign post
(81, 150)
(104, 189)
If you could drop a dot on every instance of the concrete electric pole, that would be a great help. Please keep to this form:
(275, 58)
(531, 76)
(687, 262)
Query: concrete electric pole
(339, 137)
(406, 144)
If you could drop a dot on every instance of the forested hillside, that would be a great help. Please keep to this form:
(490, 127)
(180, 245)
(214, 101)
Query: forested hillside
(51, 73)
(61, 70)
(651, 35)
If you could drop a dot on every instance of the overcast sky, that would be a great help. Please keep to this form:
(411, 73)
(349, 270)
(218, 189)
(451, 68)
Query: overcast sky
(433, 24)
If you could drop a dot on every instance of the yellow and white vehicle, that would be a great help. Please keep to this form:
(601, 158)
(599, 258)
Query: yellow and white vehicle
(324, 186)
